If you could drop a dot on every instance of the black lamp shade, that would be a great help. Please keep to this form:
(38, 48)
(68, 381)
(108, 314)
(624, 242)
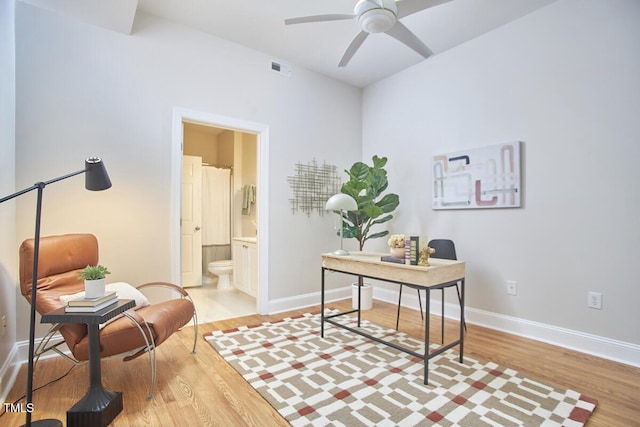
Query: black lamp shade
(96, 177)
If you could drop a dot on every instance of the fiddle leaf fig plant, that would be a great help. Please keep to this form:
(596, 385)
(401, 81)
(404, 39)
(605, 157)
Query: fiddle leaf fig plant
(366, 185)
(94, 272)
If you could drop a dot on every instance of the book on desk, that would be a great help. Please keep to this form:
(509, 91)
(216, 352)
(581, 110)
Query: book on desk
(389, 258)
(91, 305)
(413, 246)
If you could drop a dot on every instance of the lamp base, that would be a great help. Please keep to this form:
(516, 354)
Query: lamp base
(340, 252)
(49, 422)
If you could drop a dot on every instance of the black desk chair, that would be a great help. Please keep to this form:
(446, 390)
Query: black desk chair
(445, 249)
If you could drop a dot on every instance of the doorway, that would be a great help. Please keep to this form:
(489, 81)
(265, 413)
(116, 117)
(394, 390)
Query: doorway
(183, 122)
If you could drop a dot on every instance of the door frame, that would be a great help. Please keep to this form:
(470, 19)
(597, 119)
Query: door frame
(181, 115)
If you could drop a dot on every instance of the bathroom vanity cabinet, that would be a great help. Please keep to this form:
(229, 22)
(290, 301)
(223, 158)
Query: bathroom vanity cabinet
(245, 262)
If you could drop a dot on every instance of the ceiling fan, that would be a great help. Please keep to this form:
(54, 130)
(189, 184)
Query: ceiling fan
(378, 16)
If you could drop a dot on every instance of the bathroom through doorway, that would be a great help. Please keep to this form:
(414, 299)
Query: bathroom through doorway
(219, 222)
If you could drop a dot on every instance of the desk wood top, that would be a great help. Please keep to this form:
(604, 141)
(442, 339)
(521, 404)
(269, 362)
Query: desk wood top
(369, 264)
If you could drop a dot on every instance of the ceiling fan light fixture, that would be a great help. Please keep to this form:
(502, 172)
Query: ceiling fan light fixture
(377, 20)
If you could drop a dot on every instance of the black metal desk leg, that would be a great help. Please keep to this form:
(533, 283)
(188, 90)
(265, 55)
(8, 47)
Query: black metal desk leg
(442, 319)
(400, 301)
(322, 306)
(462, 323)
(427, 307)
(360, 284)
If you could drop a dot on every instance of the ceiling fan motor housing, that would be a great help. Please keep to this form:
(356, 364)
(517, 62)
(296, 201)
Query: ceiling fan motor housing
(376, 16)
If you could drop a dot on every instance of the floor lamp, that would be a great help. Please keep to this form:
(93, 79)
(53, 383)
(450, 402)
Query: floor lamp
(96, 179)
(341, 202)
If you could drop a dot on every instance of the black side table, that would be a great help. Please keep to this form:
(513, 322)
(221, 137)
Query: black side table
(99, 406)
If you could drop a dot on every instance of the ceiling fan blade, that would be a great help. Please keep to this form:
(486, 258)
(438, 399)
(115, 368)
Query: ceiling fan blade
(404, 35)
(317, 18)
(408, 7)
(353, 47)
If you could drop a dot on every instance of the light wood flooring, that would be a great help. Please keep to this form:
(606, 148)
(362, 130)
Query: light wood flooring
(203, 390)
(213, 304)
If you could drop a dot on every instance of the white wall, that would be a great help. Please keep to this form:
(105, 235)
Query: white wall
(87, 91)
(8, 249)
(562, 80)
(565, 81)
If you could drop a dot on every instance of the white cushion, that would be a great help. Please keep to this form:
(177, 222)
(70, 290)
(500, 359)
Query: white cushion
(122, 289)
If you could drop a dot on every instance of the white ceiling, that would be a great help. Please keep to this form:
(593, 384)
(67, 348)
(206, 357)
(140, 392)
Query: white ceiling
(116, 15)
(259, 24)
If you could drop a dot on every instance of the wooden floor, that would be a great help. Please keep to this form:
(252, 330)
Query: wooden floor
(203, 390)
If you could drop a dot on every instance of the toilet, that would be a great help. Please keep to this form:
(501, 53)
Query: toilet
(222, 269)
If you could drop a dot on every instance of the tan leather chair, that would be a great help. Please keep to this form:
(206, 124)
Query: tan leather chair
(61, 258)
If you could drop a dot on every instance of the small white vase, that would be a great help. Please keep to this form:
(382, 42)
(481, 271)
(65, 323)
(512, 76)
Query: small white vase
(366, 293)
(396, 252)
(94, 288)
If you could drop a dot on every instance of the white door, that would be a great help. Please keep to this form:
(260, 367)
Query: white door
(191, 221)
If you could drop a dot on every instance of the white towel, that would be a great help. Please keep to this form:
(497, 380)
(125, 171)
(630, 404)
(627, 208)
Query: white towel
(248, 198)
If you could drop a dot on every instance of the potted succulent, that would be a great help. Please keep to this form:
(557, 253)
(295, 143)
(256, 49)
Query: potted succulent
(366, 185)
(94, 280)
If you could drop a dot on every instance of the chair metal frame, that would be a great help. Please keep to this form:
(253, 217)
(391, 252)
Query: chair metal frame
(149, 347)
(420, 297)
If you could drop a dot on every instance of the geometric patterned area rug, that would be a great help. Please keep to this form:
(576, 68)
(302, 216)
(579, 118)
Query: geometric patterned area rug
(344, 379)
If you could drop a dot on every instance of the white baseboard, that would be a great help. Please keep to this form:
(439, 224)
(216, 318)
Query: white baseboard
(307, 300)
(17, 358)
(618, 351)
(8, 372)
(23, 348)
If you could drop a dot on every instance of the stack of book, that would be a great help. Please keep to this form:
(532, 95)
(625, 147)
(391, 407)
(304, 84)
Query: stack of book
(389, 258)
(413, 246)
(91, 305)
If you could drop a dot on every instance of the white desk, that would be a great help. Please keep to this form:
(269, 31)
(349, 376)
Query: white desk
(441, 273)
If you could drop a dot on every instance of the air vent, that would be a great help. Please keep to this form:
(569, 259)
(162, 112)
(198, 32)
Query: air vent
(281, 68)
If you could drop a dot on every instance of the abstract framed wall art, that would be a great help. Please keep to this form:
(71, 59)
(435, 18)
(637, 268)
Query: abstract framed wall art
(484, 177)
(312, 185)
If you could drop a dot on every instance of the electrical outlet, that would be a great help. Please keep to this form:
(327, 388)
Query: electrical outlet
(595, 300)
(512, 287)
(3, 325)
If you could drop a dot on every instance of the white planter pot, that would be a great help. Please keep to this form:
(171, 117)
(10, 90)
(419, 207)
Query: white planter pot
(94, 288)
(397, 252)
(366, 293)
